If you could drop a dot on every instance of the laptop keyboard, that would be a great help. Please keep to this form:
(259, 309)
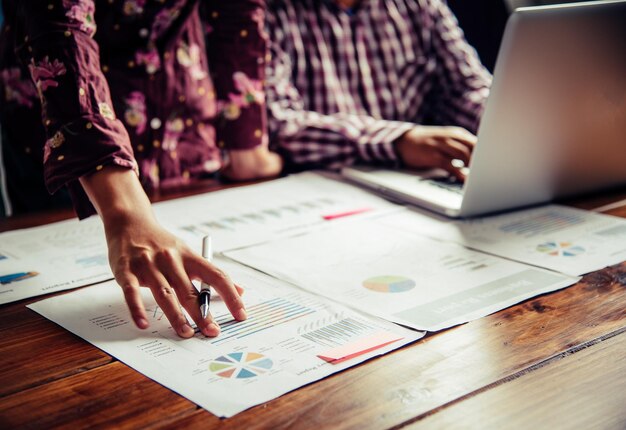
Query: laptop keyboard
(449, 183)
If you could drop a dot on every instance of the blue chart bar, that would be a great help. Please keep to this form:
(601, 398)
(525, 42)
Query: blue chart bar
(261, 317)
(339, 333)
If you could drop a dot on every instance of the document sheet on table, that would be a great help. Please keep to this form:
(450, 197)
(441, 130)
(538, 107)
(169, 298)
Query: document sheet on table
(254, 214)
(560, 238)
(291, 338)
(53, 257)
(401, 276)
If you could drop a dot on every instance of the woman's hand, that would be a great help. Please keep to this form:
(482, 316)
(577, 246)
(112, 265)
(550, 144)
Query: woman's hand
(255, 163)
(142, 253)
(430, 146)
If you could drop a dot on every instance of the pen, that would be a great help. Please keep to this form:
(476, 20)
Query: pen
(205, 289)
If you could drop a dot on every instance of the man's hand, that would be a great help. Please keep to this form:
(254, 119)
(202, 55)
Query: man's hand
(430, 146)
(142, 253)
(255, 163)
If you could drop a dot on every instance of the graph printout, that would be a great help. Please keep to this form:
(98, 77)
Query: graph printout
(291, 338)
(54, 257)
(568, 240)
(258, 213)
(401, 276)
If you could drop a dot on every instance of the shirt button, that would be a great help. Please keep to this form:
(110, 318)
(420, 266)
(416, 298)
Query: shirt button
(144, 32)
(155, 123)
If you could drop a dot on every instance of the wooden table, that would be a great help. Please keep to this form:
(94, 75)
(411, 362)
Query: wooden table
(556, 361)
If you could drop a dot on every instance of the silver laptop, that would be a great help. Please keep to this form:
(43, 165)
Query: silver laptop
(554, 124)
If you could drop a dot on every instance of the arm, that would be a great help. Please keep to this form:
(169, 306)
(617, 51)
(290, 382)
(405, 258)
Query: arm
(312, 138)
(237, 44)
(89, 150)
(458, 95)
(461, 82)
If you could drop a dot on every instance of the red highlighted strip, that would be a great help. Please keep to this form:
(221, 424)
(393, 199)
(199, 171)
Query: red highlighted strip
(330, 217)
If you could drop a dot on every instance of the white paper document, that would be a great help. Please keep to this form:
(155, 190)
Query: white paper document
(54, 257)
(560, 238)
(244, 216)
(291, 338)
(401, 276)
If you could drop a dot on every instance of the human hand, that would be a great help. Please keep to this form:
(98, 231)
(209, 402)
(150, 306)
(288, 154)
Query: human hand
(145, 254)
(255, 163)
(142, 253)
(432, 146)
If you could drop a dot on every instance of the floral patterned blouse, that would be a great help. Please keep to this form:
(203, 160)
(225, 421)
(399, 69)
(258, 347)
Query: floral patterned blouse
(158, 86)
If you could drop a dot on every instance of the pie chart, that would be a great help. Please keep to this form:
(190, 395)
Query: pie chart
(389, 284)
(560, 249)
(241, 365)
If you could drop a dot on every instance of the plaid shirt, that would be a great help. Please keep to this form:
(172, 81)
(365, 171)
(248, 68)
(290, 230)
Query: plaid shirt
(342, 86)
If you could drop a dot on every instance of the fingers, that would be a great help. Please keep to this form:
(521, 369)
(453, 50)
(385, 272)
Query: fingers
(171, 267)
(454, 150)
(165, 297)
(167, 273)
(207, 272)
(130, 287)
(463, 136)
(448, 166)
(456, 143)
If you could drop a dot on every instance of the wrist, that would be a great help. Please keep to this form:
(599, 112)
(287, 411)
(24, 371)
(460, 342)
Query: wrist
(118, 196)
(401, 146)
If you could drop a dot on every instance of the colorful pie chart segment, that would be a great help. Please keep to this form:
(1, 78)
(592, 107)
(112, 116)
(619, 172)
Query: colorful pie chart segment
(241, 365)
(389, 284)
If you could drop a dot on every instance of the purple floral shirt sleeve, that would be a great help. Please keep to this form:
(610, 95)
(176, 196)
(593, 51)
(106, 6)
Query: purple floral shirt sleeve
(82, 131)
(154, 86)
